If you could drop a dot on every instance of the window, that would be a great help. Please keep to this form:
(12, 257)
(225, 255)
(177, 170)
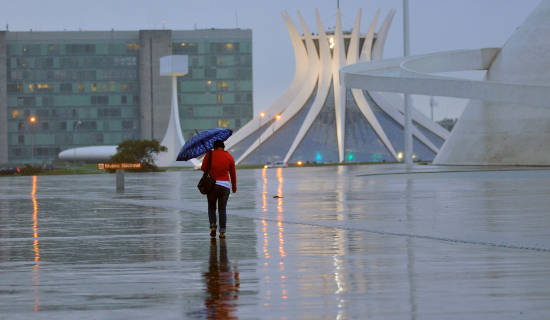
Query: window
(127, 124)
(43, 113)
(14, 113)
(63, 125)
(12, 88)
(123, 99)
(222, 85)
(126, 87)
(66, 87)
(21, 139)
(45, 126)
(47, 101)
(220, 98)
(27, 102)
(184, 47)
(211, 73)
(81, 87)
(100, 99)
(131, 47)
(41, 87)
(223, 123)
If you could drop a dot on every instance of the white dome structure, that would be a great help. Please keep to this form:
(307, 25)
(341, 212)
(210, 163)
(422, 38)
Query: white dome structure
(497, 133)
(92, 153)
(317, 120)
(508, 122)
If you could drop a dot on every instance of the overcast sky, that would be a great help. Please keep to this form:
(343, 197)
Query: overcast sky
(436, 25)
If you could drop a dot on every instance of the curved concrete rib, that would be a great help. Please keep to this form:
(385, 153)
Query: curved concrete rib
(357, 94)
(397, 75)
(339, 91)
(378, 50)
(325, 77)
(293, 103)
(363, 105)
(353, 49)
(366, 52)
(300, 75)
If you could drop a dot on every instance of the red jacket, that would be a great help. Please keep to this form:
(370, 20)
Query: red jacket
(223, 166)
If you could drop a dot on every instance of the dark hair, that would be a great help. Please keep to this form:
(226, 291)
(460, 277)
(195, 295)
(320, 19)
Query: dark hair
(219, 144)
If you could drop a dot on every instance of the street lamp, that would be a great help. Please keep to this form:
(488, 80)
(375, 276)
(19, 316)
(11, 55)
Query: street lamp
(277, 117)
(32, 121)
(408, 126)
(76, 126)
(262, 116)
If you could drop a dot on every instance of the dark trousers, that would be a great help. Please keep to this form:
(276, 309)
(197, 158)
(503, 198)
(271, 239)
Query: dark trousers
(220, 195)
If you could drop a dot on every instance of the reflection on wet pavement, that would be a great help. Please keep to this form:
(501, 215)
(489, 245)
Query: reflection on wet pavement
(303, 243)
(222, 284)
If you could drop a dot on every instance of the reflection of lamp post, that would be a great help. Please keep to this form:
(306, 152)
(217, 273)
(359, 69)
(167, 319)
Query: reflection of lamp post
(32, 121)
(76, 126)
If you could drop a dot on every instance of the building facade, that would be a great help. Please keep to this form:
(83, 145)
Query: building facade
(102, 87)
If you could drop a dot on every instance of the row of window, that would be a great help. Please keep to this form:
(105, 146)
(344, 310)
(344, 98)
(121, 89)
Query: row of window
(64, 62)
(69, 87)
(75, 75)
(242, 73)
(76, 126)
(228, 61)
(212, 47)
(37, 49)
(76, 113)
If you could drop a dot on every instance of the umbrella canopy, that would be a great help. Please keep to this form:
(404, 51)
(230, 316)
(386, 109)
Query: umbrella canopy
(203, 141)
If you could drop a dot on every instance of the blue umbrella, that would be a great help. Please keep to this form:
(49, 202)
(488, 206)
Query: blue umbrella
(202, 142)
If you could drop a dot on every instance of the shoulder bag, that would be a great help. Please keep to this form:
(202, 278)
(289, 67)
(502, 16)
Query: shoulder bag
(207, 183)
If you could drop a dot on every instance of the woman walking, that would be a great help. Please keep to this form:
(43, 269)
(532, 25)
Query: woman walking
(223, 167)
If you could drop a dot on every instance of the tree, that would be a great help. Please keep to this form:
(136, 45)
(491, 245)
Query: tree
(139, 151)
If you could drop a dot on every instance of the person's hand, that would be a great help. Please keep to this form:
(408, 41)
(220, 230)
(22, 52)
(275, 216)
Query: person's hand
(234, 189)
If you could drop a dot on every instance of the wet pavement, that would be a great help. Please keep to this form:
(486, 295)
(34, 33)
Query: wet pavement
(348, 242)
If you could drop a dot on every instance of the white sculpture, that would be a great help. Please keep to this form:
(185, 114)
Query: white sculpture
(173, 66)
(319, 58)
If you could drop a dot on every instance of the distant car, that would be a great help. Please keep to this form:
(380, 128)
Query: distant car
(275, 164)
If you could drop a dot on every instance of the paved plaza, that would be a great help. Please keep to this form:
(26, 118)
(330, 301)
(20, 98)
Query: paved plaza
(337, 242)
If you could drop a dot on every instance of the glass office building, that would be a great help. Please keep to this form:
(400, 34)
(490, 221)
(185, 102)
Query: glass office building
(217, 92)
(60, 90)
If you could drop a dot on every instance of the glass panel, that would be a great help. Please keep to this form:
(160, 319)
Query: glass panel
(394, 132)
(319, 144)
(241, 147)
(433, 138)
(362, 144)
(276, 147)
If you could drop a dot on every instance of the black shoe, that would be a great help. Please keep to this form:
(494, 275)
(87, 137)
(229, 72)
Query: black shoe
(213, 232)
(222, 235)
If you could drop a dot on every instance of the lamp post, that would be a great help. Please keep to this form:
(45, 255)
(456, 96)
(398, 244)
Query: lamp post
(277, 117)
(76, 126)
(32, 121)
(407, 98)
(262, 116)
